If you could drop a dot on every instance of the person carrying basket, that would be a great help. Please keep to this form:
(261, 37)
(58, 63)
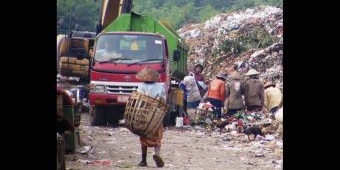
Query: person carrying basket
(150, 88)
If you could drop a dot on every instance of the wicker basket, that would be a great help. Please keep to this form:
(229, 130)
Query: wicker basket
(143, 114)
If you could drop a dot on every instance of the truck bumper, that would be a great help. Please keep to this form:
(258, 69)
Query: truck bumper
(107, 99)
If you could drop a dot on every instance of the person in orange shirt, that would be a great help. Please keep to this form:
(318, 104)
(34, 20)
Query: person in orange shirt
(216, 93)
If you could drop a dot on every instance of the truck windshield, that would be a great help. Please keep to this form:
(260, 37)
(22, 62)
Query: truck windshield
(132, 48)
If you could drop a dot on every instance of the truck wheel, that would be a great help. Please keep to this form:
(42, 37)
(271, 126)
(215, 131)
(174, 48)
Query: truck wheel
(97, 116)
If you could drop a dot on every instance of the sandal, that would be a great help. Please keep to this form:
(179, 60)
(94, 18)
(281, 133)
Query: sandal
(158, 160)
(142, 163)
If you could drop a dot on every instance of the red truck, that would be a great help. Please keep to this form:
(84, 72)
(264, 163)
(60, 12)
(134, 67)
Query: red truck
(138, 41)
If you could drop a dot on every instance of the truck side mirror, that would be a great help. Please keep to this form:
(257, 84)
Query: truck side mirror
(176, 55)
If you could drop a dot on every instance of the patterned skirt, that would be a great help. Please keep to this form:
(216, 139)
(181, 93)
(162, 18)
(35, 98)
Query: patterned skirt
(153, 141)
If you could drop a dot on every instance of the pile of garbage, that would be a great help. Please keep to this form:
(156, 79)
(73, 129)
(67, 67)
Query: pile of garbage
(250, 38)
(241, 122)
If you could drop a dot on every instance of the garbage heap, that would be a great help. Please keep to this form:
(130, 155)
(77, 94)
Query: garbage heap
(250, 38)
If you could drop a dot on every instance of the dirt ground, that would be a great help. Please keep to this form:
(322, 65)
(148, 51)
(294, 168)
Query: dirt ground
(182, 148)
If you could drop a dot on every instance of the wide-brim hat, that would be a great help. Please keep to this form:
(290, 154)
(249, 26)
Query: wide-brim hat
(147, 74)
(221, 75)
(252, 72)
(236, 76)
(269, 83)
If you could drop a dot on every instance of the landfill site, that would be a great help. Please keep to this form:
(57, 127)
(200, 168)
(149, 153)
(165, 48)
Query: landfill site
(226, 43)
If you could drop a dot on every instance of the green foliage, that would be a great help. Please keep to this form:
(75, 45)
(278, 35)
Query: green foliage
(254, 38)
(85, 13)
(207, 12)
(231, 46)
(257, 37)
(177, 13)
(243, 4)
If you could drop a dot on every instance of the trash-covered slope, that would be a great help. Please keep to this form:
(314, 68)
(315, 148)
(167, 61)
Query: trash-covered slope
(250, 38)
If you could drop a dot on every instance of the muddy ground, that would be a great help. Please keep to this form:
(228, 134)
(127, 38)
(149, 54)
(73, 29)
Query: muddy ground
(182, 148)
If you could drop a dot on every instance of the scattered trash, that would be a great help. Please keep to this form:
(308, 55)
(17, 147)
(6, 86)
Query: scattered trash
(259, 155)
(226, 139)
(124, 130)
(123, 164)
(179, 121)
(269, 137)
(84, 149)
(122, 121)
(97, 162)
(234, 133)
(258, 138)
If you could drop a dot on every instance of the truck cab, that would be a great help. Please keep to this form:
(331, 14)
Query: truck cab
(126, 44)
(113, 76)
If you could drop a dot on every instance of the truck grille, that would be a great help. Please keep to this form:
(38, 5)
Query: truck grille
(120, 89)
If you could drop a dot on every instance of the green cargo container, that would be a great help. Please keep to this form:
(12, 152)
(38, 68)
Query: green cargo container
(145, 23)
(69, 113)
(72, 140)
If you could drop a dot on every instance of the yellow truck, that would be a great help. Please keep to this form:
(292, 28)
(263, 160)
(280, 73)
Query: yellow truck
(73, 53)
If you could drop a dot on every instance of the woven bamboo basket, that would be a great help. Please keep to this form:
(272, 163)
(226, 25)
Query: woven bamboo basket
(143, 114)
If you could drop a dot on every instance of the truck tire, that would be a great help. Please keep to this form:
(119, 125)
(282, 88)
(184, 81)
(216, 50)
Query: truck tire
(97, 116)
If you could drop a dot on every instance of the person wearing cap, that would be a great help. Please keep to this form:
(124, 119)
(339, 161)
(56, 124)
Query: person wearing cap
(272, 98)
(216, 93)
(253, 92)
(150, 88)
(234, 93)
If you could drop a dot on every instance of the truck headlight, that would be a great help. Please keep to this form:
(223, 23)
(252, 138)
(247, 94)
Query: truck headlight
(97, 89)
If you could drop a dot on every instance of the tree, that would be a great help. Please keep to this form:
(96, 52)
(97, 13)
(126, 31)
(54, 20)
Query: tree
(175, 12)
(206, 13)
(83, 13)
